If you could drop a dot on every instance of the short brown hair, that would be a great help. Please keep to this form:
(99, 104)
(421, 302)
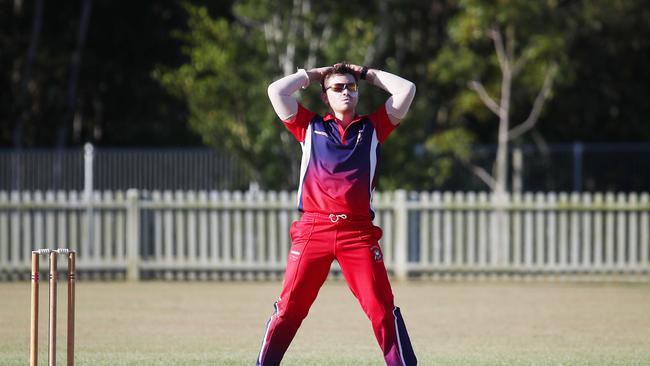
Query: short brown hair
(341, 68)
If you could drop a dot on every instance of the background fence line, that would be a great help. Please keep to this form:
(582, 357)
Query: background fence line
(120, 169)
(559, 167)
(245, 235)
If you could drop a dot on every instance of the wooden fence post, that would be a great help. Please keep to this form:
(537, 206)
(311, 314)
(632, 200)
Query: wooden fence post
(132, 235)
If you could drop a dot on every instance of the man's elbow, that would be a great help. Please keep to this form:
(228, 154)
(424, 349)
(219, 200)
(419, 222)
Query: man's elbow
(411, 90)
(409, 93)
(272, 90)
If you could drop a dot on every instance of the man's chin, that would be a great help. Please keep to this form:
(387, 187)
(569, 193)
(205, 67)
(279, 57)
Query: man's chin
(347, 107)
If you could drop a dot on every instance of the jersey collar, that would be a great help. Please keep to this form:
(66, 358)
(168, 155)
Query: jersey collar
(330, 117)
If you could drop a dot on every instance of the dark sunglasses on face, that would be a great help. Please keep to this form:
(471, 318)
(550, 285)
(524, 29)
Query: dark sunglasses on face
(338, 88)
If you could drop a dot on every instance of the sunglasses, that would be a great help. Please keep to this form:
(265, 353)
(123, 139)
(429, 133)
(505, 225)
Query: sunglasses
(338, 88)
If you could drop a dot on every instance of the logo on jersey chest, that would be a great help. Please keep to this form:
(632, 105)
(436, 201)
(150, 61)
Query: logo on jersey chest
(360, 136)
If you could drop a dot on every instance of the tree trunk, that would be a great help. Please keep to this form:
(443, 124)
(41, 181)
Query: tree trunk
(75, 65)
(500, 228)
(504, 123)
(23, 108)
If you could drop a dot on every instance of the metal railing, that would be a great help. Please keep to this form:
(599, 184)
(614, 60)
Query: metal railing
(120, 169)
(561, 167)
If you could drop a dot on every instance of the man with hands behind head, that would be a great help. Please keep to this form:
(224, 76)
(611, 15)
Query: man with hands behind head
(340, 155)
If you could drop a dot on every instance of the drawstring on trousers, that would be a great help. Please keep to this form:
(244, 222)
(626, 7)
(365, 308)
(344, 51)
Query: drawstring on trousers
(335, 218)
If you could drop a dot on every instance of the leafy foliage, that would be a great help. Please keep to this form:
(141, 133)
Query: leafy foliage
(230, 64)
(140, 83)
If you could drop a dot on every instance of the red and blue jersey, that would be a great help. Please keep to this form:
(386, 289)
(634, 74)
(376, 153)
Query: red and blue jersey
(339, 165)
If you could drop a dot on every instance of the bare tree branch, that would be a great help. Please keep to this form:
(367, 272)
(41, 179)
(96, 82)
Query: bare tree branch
(540, 142)
(495, 35)
(533, 117)
(482, 174)
(288, 59)
(316, 43)
(268, 37)
(73, 78)
(519, 64)
(18, 7)
(378, 47)
(510, 43)
(247, 22)
(273, 36)
(308, 34)
(485, 97)
(327, 33)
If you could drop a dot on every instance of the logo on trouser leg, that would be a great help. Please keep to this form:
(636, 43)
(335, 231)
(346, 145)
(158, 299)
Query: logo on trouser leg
(376, 254)
(294, 255)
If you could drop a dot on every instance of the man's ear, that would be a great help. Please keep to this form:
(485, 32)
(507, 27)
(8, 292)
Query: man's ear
(323, 97)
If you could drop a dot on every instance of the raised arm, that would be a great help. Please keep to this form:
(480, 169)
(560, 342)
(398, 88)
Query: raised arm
(402, 91)
(281, 91)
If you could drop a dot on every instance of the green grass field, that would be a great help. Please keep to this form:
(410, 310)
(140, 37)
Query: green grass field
(466, 323)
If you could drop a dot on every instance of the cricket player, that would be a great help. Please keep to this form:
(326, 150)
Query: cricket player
(340, 154)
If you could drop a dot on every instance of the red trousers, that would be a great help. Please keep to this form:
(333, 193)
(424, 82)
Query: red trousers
(318, 239)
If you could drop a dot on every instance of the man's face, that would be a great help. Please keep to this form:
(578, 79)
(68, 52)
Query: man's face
(338, 94)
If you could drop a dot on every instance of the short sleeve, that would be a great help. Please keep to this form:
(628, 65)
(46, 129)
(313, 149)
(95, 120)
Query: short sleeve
(298, 124)
(382, 123)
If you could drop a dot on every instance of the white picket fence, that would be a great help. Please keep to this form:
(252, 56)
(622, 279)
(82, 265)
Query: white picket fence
(235, 235)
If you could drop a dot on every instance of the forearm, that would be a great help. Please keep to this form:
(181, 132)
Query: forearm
(281, 93)
(402, 91)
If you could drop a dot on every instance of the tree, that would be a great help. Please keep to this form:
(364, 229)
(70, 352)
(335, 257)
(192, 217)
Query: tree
(231, 62)
(606, 98)
(116, 102)
(601, 50)
(495, 49)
